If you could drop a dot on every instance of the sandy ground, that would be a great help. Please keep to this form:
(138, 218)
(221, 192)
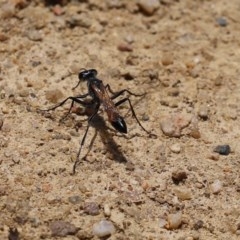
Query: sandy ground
(185, 56)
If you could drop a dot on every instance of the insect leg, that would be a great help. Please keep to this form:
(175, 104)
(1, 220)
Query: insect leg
(64, 101)
(83, 139)
(133, 114)
(117, 94)
(74, 99)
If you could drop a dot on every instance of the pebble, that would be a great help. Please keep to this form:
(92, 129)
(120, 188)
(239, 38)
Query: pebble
(221, 21)
(118, 218)
(91, 208)
(174, 220)
(195, 133)
(1, 122)
(222, 149)
(62, 228)
(203, 113)
(8, 10)
(107, 210)
(183, 193)
(198, 224)
(175, 148)
(35, 35)
(103, 228)
(54, 95)
(82, 20)
(179, 176)
(24, 93)
(162, 222)
(213, 156)
(216, 186)
(3, 37)
(58, 10)
(74, 199)
(13, 234)
(172, 125)
(148, 6)
(167, 60)
(125, 47)
(130, 75)
(6, 127)
(129, 166)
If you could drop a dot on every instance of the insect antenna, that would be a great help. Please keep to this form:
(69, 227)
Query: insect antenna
(81, 69)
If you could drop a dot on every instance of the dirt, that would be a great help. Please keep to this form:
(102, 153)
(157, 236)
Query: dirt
(185, 56)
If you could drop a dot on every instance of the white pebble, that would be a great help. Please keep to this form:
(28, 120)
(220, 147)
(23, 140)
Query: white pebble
(107, 210)
(175, 148)
(149, 6)
(216, 186)
(174, 220)
(103, 228)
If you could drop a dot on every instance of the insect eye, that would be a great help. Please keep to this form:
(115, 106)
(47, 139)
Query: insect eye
(86, 74)
(94, 72)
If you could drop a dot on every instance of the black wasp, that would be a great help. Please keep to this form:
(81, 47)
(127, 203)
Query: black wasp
(100, 96)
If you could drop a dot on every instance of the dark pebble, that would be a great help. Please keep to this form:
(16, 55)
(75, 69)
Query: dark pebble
(222, 22)
(91, 208)
(62, 228)
(222, 149)
(13, 234)
(197, 225)
(179, 176)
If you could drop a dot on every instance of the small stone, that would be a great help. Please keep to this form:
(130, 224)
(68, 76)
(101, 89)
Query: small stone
(172, 125)
(174, 220)
(91, 208)
(197, 225)
(1, 122)
(54, 95)
(3, 37)
(74, 199)
(7, 10)
(13, 234)
(6, 127)
(118, 218)
(129, 166)
(62, 228)
(167, 60)
(148, 6)
(35, 35)
(195, 133)
(222, 149)
(107, 210)
(179, 176)
(82, 20)
(216, 186)
(175, 148)
(221, 21)
(162, 222)
(218, 81)
(183, 193)
(214, 156)
(125, 47)
(58, 10)
(203, 113)
(24, 93)
(84, 234)
(103, 228)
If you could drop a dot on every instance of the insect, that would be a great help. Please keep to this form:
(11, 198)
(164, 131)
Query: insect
(99, 94)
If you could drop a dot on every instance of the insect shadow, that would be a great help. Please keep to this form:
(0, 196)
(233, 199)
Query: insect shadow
(111, 146)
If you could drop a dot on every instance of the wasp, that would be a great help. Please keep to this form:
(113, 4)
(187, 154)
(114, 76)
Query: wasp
(99, 94)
